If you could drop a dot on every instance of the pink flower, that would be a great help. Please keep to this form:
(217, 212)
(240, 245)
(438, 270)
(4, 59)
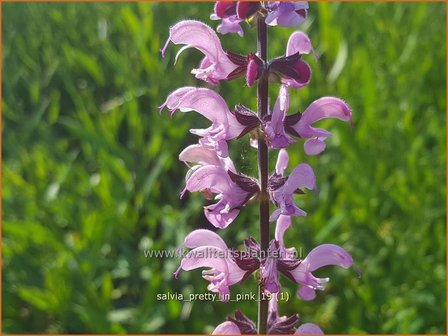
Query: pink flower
(322, 108)
(217, 176)
(281, 189)
(209, 250)
(300, 271)
(216, 65)
(279, 127)
(212, 106)
(286, 14)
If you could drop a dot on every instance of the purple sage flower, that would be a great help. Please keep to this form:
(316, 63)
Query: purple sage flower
(281, 188)
(209, 250)
(285, 13)
(232, 191)
(216, 65)
(279, 127)
(300, 271)
(322, 108)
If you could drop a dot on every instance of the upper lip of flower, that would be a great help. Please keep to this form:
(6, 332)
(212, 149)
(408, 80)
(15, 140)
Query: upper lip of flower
(198, 35)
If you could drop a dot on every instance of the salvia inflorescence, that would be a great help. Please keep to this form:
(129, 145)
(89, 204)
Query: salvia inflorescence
(212, 172)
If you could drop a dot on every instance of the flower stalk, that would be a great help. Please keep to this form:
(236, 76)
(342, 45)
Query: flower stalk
(263, 167)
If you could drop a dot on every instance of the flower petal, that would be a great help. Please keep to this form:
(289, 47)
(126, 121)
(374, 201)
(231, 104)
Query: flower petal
(328, 254)
(286, 14)
(196, 34)
(199, 154)
(309, 329)
(314, 146)
(173, 99)
(236, 274)
(274, 129)
(325, 107)
(202, 100)
(205, 156)
(212, 178)
(306, 293)
(301, 177)
(220, 215)
(230, 25)
(282, 162)
(299, 42)
(205, 256)
(283, 223)
(204, 237)
(227, 328)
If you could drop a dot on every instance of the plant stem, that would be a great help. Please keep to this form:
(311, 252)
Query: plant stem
(263, 160)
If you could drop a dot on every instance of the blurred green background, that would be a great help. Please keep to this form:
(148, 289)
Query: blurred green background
(91, 177)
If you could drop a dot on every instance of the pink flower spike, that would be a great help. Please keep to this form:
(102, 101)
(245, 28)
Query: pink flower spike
(195, 34)
(323, 108)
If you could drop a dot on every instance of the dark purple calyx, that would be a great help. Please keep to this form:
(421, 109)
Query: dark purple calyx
(245, 10)
(246, 326)
(224, 9)
(250, 66)
(255, 68)
(289, 123)
(290, 67)
(247, 118)
(247, 260)
(283, 326)
(285, 266)
(246, 183)
(285, 64)
(240, 61)
(302, 12)
(277, 181)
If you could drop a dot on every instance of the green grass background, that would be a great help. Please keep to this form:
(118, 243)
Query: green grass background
(91, 177)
